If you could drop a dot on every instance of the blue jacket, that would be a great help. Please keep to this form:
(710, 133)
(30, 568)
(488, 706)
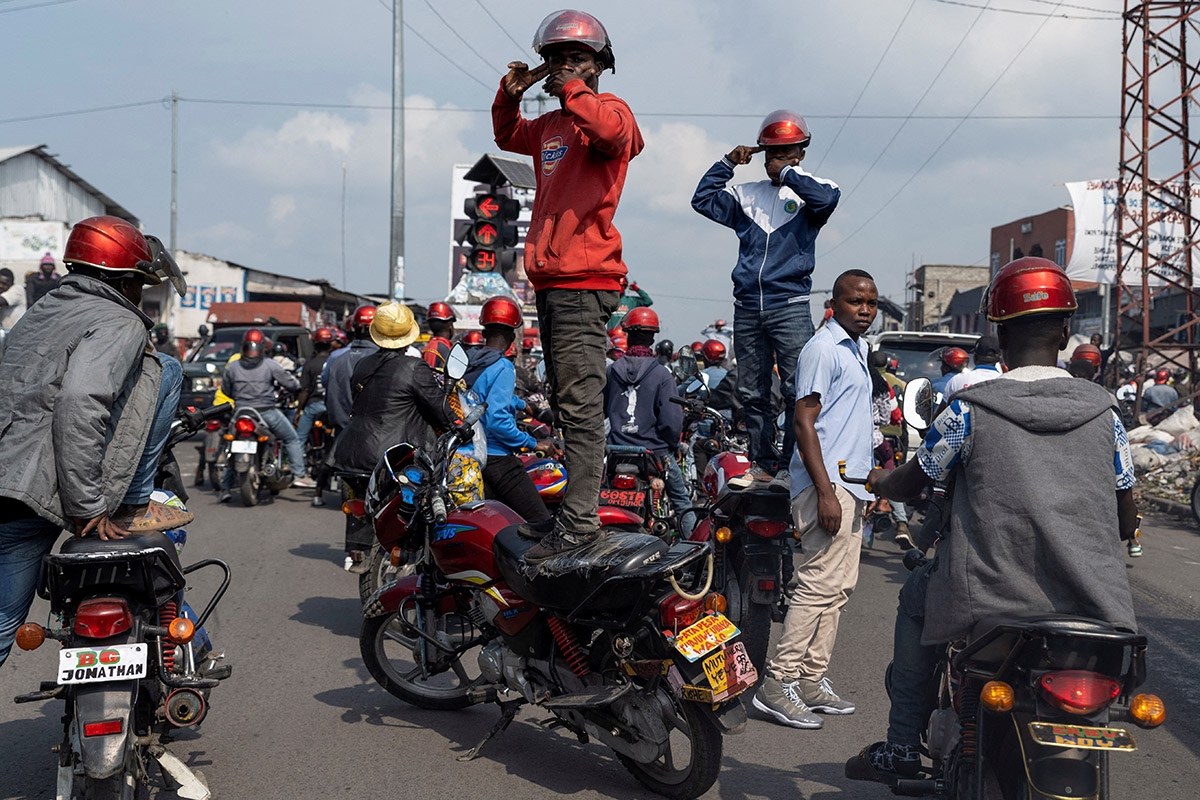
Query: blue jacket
(494, 379)
(777, 229)
(638, 407)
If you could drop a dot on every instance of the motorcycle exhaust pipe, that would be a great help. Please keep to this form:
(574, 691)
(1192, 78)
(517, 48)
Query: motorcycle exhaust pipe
(185, 707)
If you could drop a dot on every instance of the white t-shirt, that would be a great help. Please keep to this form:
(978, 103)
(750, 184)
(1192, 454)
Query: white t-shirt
(968, 377)
(9, 314)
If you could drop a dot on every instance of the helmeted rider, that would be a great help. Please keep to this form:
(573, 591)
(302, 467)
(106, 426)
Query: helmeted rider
(86, 406)
(310, 403)
(665, 351)
(638, 407)
(986, 355)
(339, 367)
(1010, 445)
(441, 318)
(492, 377)
(714, 352)
(1160, 393)
(471, 339)
(251, 382)
(1085, 362)
(952, 361)
(776, 221)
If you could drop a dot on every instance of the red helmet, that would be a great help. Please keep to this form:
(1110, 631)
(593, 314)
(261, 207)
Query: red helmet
(253, 335)
(472, 339)
(1163, 375)
(618, 344)
(783, 127)
(113, 245)
(362, 318)
(323, 336)
(713, 351)
(1089, 353)
(955, 357)
(569, 25)
(697, 347)
(1029, 285)
(340, 336)
(641, 319)
(616, 330)
(441, 311)
(528, 343)
(501, 310)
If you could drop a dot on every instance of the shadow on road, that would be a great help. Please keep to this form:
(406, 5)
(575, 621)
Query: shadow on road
(1172, 642)
(341, 616)
(319, 551)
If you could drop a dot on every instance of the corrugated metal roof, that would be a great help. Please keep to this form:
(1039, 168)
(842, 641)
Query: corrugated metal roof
(112, 206)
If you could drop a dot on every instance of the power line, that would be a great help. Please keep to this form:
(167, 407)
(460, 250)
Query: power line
(870, 78)
(434, 48)
(77, 111)
(35, 5)
(1116, 16)
(938, 149)
(503, 29)
(452, 29)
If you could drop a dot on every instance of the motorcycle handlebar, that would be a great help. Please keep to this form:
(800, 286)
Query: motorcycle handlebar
(438, 506)
(842, 474)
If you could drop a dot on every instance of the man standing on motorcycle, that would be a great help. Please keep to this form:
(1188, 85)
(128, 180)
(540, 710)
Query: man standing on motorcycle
(251, 382)
(573, 252)
(1017, 544)
(640, 413)
(86, 406)
(441, 319)
(833, 423)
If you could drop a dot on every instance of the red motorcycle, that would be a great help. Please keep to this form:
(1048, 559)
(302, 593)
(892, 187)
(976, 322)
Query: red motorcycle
(606, 637)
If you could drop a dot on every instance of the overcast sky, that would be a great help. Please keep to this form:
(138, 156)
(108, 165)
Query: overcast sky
(261, 185)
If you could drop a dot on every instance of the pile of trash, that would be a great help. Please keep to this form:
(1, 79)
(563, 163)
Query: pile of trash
(1166, 456)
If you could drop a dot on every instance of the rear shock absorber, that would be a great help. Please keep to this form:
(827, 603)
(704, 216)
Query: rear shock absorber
(167, 612)
(569, 645)
(968, 716)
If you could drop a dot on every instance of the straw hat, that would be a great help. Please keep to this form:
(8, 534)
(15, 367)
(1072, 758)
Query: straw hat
(394, 326)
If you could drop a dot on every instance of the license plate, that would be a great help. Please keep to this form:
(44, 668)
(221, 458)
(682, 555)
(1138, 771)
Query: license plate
(700, 639)
(622, 498)
(1081, 737)
(238, 446)
(116, 662)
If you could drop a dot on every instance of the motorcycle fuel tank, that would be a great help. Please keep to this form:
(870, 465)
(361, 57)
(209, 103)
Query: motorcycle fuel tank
(720, 469)
(462, 547)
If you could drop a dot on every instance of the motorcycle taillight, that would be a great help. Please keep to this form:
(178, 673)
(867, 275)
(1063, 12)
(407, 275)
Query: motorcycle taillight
(624, 481)
(676, 612)
(1078, 691)
(212, 425)
(767, 528)
(103, 617)
(245, 426)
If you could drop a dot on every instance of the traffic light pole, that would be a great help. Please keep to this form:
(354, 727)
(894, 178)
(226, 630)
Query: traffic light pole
(396, 251)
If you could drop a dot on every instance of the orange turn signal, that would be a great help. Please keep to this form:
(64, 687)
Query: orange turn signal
(997, 696)
(263, 438)
(724, 535)
(31, 635)
(181, 630)
(318, 424)
(1147, 710)
(227, 437)
(395, 557)
(716, 602)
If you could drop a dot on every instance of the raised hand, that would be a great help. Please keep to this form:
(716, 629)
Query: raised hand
(520, 77)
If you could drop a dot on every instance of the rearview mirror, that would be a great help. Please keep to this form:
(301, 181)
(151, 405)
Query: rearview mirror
(918, 404)
(456, 363)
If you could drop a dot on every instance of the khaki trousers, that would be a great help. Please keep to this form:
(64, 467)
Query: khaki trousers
(826, 574)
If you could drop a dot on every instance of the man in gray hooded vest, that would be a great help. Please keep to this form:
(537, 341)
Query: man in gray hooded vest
(1042, 498)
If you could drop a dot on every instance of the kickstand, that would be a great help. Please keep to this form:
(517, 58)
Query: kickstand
(508, 710)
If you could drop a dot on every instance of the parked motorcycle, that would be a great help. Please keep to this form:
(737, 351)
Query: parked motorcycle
(605, 638)
(256, 455)
(135, 664)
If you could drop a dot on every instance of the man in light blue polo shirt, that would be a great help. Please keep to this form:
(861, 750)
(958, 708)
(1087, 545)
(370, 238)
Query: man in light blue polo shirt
(833, 423)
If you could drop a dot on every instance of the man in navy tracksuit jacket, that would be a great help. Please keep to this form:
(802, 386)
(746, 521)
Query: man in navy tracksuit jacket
(776, 221)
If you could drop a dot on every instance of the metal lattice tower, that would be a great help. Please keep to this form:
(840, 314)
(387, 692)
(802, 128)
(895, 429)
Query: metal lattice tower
(1159, 78)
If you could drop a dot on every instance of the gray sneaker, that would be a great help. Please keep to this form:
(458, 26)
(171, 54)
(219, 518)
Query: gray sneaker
(820, 696)
(782, 702)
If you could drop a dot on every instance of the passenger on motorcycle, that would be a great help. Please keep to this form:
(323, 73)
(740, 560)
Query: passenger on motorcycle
(86, 406)
(310, 403)
(251, 382)
(1017, 543)
(953, 360)
(1158, 393)
(639, 412)
(441, 319)
(339, 367)
(492, 377)
(986, 355)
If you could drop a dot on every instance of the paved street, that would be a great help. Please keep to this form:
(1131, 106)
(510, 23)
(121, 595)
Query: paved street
(301, 718)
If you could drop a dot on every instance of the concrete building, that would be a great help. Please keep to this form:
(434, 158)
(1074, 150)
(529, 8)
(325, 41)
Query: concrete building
(1048, 235)
(930, 288)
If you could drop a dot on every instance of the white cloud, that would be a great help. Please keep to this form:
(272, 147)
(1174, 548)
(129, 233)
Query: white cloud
(282, 206)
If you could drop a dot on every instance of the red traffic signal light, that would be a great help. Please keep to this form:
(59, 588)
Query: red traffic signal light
(491, 206)
(491, 232)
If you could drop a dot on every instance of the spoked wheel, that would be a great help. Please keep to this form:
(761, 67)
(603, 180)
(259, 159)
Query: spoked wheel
(415, 670)
(689, 765)
(249, 486)
(380, 572)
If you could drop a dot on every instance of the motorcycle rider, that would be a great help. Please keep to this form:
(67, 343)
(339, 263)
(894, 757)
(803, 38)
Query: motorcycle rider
(440, 318)
(250, 382)
(665, 352)
(340, 365)
(986, 355)
(639, 411)
(953, 360)
(715, 370)
(492, 377)
(1159, 394)
(87, 404)
(1010, 444)
(310, 403)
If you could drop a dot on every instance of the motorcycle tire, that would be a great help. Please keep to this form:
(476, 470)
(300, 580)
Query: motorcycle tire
(248, 486)
(1196, 501)
(214, 477)
(754, 621)
(380, 572)
(114, 787)
(392, 657)
(678, 774)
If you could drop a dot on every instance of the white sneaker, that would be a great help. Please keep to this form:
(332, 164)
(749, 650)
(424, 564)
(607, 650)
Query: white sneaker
(303, 482)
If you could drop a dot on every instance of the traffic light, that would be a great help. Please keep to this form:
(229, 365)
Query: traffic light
(492, 234)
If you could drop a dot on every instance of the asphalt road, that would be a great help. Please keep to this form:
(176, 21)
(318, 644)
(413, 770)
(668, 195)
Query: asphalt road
(301, 718)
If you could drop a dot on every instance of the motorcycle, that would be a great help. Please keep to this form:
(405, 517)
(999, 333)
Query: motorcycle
(256, 455)
(136, 664)
(318, 444)
(634, 479)
(604, 638)
(212, 451)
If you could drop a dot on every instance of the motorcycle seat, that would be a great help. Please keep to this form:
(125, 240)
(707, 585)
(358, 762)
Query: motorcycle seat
(1054, 624)
(565, 581)
(130, 544)
(993, 638)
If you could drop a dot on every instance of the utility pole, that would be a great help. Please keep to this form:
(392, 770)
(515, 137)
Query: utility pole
(396, 253)
(344, 285)
(174, 163)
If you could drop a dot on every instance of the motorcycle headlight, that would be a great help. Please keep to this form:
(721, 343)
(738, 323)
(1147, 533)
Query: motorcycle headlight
(202, 384)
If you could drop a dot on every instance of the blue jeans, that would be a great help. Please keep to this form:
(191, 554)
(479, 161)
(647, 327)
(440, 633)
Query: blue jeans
(677, 491)
(24, 543)
(762, 341)
(913, 664)
(160, 429)
(307, 417)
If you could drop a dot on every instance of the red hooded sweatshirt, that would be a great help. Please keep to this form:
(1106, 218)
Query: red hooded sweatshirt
(581, 156)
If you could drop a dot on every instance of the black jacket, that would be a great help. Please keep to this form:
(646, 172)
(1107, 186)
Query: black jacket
(397, 399)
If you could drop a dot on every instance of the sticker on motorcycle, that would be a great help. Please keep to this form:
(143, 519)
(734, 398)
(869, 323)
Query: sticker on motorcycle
(91, 664)
(703, 637)
(730, 672)
(621, 498)
(1081, 737)
(239, 446)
